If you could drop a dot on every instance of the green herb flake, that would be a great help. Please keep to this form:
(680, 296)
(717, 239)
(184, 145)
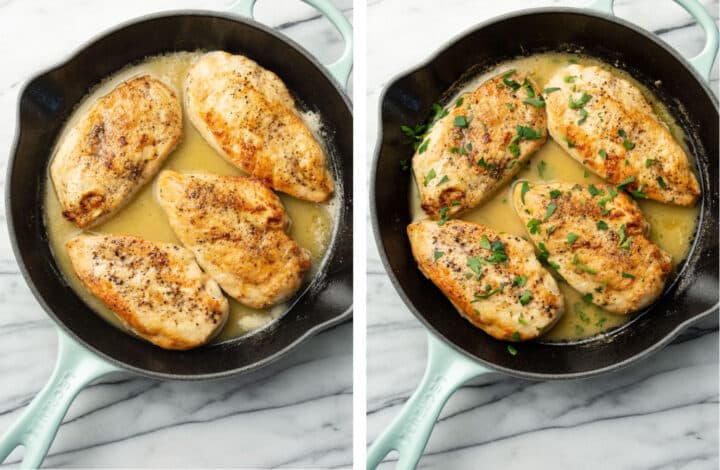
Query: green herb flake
(485, 243)
(569, 79)
(525, 298)
(626, 142)
(528, 133)
(624, 239)
(549, 211)
(587, 298)
(595, 191)
(519, 281)
(551, 230)
(627, 275)
(511, 349)
(581, 266)
(555, 193)
(444, 179)
(510, 106)
(549, 90)
(661, 182)
(541, 166)
(516, 336)
(437, 255)
(601, 225)
(569, 142)
(489, 166)
(626, 182)
(511, 83)
(524, 189)
(650, 162)
(443, 216)
(424, 146)
(459, 102)
(431, 174)
(579, 104)
(640, 192)
(537, 102)
(572, 237)
(534, 226)
(583, 116)
(461, 122)
(603, 154)
(514, 149)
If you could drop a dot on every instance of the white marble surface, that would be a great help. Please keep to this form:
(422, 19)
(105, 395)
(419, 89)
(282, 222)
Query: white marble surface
(659, 414)
(296, 413)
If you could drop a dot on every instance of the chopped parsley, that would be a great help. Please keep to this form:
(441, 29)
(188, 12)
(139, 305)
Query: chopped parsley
(510, 106)
(459, 102)
(555, 193)
(639, 193)
(572, 237)
(569, 142)
(569, 79)
(541, 166)
(624, 239)
(661, 182)
(550, 90)
(649, 162)
(528, 133)
(489, 166)
(431, 174)
(534, 226)
(549, 211)
(626, 182)
(489, 292)
(437, 255)
(601, 225)
(626, 142)
(424, 146)
(595, 191)
(603, 154)
(579, 104)
(461, 122)
(443, 216)
(485, 243)
(537, 102)
(526, 297)
(627, 275)
(511, 83)
(581, 266)
(583, 116)
(524, 189)
(498, 253)
(475, 265)
(511, 349)
(519, 281)
(516, 336)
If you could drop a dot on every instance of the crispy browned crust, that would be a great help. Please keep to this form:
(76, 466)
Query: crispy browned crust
(247, 114)
(115, 149)
(235, 225)
(156, 289)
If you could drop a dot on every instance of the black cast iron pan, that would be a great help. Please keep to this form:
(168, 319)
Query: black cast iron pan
(458, 351)
(89, 347)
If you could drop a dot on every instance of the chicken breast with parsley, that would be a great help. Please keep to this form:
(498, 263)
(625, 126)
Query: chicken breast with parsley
(247, 114)
(235, 226)
(113, 150)
(595, 236)
(492, 279)
(481, 142)
(605, 123)
(156, 289)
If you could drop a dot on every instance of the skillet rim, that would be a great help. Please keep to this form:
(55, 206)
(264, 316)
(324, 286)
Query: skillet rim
(17, 252)
(447, 45)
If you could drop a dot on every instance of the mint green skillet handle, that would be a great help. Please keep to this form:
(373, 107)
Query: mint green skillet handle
(410, 430)
(340, 69)
(35, 429)
(702, 62)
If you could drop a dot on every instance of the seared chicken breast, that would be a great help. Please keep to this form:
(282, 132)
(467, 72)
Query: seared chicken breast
(115, 148)
(479, 145)
(247, 114)
(235, 226)
(605, 123)
(595, 236)
(494, 280)
(156, 289)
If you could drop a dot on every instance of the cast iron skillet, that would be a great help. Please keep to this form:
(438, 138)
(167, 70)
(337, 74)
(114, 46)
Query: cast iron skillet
(458, 351)
(89, 347)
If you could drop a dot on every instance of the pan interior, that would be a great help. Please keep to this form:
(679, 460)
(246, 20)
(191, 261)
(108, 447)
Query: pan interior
(409, 98)
(47, 102)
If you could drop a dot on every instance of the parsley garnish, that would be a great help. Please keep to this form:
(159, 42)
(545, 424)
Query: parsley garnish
(511, 83)
(443, 215)
(485, 243)
(437, 255)
(528, 133)
(628, 275)
(550, 211)
(459, 102)
(661, 182)
(584, 98)
(475, 264)
(581, 266)
(583, 116)
(429, 176)
(424, 146)
(461, 122)
(603, 154)
(526, 297)
(601, 225)
(511, 349)
(626, 182)
(624, 240)
(516, 336)
(626, 142)
(510, 106)
(524, 189)
(484, 164)
(595, 191)
(519, 281)
(534, 226)
(555, 193)
(572, 237)
(569, 79)
(550, 90)
(489, 292)
(639, 193)
(537, 102)
(569, 142)
(649, 162)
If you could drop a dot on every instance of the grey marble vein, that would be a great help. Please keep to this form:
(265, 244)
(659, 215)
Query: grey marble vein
(296, 413)
(661, 413)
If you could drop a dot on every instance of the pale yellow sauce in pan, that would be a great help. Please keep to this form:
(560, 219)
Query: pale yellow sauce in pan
(672, 227)
(312, 224)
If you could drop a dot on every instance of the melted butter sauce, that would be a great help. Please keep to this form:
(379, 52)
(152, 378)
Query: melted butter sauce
(311, 227)
(672, 227)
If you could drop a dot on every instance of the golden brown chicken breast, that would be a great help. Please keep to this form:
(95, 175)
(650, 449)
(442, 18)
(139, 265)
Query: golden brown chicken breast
(605, 123)
(156, 289)
(114, 149)
(596, 238)
(247, 114)
(236, 226)
(494, 280)
(479, 145)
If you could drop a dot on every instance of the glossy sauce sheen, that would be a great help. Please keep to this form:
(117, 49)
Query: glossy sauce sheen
(311, 227)
(672, 227)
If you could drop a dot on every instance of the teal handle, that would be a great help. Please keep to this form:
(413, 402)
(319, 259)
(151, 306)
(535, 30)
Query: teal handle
(340, 69)
(410, 430)
(702, 62)
(36, 428)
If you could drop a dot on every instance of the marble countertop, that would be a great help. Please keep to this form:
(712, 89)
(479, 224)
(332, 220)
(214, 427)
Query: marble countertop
(296, 413)
(661, 413)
